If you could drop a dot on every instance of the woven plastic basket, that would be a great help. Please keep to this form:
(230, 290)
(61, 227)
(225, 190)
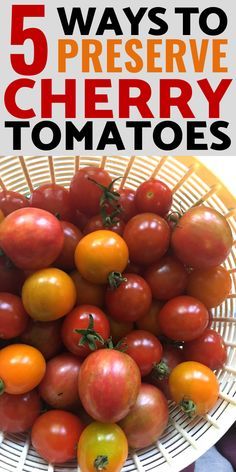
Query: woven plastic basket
(184, 440)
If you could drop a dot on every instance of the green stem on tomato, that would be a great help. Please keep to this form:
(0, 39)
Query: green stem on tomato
(101, 462)
(188, 407)
(115, 279)
(161, 370)
(89, 336)
(2, 387)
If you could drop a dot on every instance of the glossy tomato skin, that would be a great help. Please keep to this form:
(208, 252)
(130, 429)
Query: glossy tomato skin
(55, 435)
(167, 278)
(183, 318)
(153, 196)
(210, 286)
(127, 204)
(85, 194)
(109, 391)
(87, 292)
(46, 337)
(149, 322)
(131, 300)
(147, 236)
(22, 368)
(100, 253)
(11, 201)
(59, 387)
(202, 238)
(96, 223)
(209, 349)
(25, 251)
(11, 278)
(100, 439)
(13, 317)
(147, 419)
(53, 198)
(72, 235)
(171, 357)
(119, 330)
(196, 382)
(144, 348)
(19, 412)
(48, 294)
(79, 319)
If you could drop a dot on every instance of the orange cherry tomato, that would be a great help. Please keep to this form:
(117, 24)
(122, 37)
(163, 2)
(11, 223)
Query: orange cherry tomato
(87, 292)
(194, 387)
(100, 253)
(210, 286)
(48, 294)
(22, 368)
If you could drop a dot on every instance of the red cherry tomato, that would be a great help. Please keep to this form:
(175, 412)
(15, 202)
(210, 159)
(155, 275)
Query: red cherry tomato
(153, 196)
(46, 337)
(11, 278)
(55, 436)
(96, 223)
(72, 235)
(108, 391)
(79, 319)
(79, 219)
(144, 348)
(210, 286)
(202, 238)
(147, 236)
(131, 300)
(32, 238)
(59, 387)
(127, 204)
(167, 278)
(53, 198)
(147, 419)
(86, 194)
(209, 349)
(13, 317)
(149, 322)
(11, 201)
(183, 318)
(119, 330)
(19, 412)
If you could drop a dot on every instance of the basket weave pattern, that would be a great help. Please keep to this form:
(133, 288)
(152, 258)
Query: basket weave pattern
(184, 440)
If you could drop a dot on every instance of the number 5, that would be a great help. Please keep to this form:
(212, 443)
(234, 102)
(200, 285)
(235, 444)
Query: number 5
(19, 35)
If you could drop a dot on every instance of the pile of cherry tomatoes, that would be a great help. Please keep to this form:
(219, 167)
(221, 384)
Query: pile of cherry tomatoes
(105, 300)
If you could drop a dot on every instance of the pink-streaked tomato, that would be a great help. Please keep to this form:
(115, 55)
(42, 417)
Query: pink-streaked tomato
(11, 278)
(102, 447)
(149, 322)
(209, 349)
(72, 235)
(109, 391)
(48, 294)
(147, 236)
(147, 419)
(153, 196)
(167, 278)
(13, 317)
(22, 368)
(87, 292)
(46, 337)
(194, 387)
(144, 348)
(79, 319)
(19, 412)
(32, 238)
(210, 286)
(127, 204)
(86, 194)
(183, 318)
(11, 201)
(53, 198)
(59, 387)
(171, 357)
(96, 223)
(119, 330)
(131, 300)
(202, 238)
(55, 435)
(100, 253)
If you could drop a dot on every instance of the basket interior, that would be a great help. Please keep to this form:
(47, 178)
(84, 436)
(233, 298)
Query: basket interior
(184, 440)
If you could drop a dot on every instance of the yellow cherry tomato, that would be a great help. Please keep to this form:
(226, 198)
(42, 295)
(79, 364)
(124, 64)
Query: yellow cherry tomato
(48, 294)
